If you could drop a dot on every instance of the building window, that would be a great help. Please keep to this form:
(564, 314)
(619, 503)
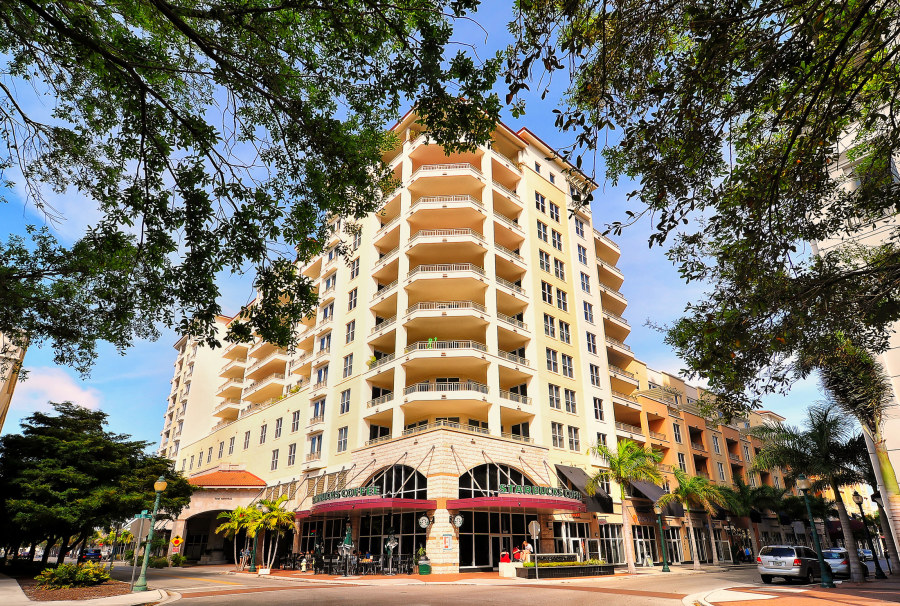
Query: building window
(542, 232)
(556, 432)
(274, 465)
(221, 448)
(682, 464)
(183, 464)
(579, 227)
(537, 168)
(357, 239)
(553, 392)
(325, 342)
(330, 282)
(568, 368)
(351, 303)
(562, 301)
(544, 260)
(588, 312)
(209, 455)
(559, 269)
(351, 331)
(549, 326)
(318, 408)
(540, 202)
(585, 283)
(295, 421)
(716, 447)
(721, 469)
(591, 342)
(345, 401)
(354, 268)
(292, 454)
(546, 293)
(342, 439)
(601, 441)
(598, 409)
(315, 444)
(557, 240)
(246, 440)
(564, 335)
(231, 445)
(571, 405)
(554, 212)
(552, 178)
(328, 311)
(676, 432)
(348, 365)
(262, 433)
(574, 442)
(595, 374)
(278, 423)
(192, 462)
(747, 455)
(552, 362)
(582, 255)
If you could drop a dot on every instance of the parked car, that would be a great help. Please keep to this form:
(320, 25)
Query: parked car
(790, 562)
(840, 563)
(865, 555)
(89, 555)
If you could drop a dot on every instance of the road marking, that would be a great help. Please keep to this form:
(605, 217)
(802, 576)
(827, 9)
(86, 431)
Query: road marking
(178, 576)
(224, 592)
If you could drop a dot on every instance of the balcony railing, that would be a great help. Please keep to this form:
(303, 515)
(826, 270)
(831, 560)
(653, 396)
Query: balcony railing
(510, 285)
(507, 221)
(618, 371)
(275, 376)
(380, 400)
(734, 457)
(509, 252)
(230, 383)
(378, 440)
(313, 456)
(628, 427)
(515, 397)
(624, 396)
(600, 236)
(445, 268)
(301, 360)
(610, 314)
(513, 195)
(444, 424)
(506, 355)
(323, 352)
(430, 168)
(445, 387)
(698, 446)
(320, 384)
(233, 363)
(441, 200)
(610, 267)
(658, 436)
(317, 419)
(617, 343)
(388, 225)
(464, 344)
(381, 361)
(511, 320)
(383, 324)
(516, 437)
(387, 256)
(271, 356)
(445, 306)
(384, 289)
(611, 291)
(446, 233)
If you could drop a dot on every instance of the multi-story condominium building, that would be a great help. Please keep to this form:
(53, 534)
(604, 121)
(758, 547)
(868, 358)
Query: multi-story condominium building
(464, 356)
(11, 357)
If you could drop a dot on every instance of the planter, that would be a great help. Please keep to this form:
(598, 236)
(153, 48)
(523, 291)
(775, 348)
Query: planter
(424, 566)
(565, 572)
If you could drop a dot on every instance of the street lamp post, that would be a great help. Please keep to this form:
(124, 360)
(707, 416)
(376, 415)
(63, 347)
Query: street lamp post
(803, 485)
(858, 499)
(662, 538)
(159, 486)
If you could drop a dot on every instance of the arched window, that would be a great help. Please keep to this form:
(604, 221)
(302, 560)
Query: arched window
(400, 482)
(485, 480)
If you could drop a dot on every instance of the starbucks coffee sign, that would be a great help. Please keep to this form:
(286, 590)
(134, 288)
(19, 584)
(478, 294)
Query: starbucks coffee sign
(544, 491)
(348, 493)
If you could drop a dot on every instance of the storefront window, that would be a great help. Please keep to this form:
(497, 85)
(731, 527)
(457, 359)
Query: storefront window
(568, 537)
(329, 533)
(375, 529)
(485, 480)
(484, 535)
(674, 547)
(644, 543)
(611, 545)
(400, 482)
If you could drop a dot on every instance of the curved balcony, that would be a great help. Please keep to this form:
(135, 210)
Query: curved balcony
(606, 248)
(625, 400)
(435, 245)
(381, 364)
(458, 317)
(231, 388)
(619, 346)
(468, 397)
(268, 387)
(615, 325)
(632, 432)
(432, 355)
(609, 274)
(510, 224)
(514, 397)
(228, 409)
(446, 281)
(236, 350)
(301, 365)
(511, 287)
(613, 300)
(265, 366)
(444, 171)
(234, 369)
(623, 375)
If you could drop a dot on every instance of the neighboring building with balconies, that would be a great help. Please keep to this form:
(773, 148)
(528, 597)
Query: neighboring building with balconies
(462, 359)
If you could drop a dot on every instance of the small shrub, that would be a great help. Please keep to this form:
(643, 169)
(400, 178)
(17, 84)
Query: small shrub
(161, 562)
(70, 575)
(177, 559)
(545, 564)
(129, 555)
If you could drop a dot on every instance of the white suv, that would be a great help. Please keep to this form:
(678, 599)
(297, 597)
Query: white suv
(790, 562)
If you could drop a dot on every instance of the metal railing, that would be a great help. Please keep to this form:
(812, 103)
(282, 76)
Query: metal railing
(610, 314)
(516, 437)
(510, 193)
(446, 233)
(515, 397)
(297, 362)
(227, 403)
(624, 396)
(445, 268)
(507, 221)
(445, 306)
(434, 344)
(617, 343)
(275, 376)
(510, 285)
(387, 225)
(628, 427)
(426, 387)
(506, 160)
(230, 383)
(444, 424)
(511, 320)
(274, 354)
(380, 400)
(381, 361)
(507, 355)
(610, 267)
(619, 371)
(430, 168)
(384, 289)
(435, 200)
(383, 324)
(509, 252)
(234, 362)
(597, 234)
(612, 291)
(387, 256)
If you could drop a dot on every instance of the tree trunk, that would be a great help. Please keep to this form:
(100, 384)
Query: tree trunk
(273, 551)
(627, 538)
(889, 545)
(712, 542)
(45, 557)
(63, 549)
(754, 540)
(31, 551)
(695, 555)
(234, 542)
(15, 551)
(886, 481)
(856, 573)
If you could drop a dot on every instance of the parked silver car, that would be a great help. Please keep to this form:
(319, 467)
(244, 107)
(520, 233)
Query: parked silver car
(790, 562)
(865, 555)
(839, 561)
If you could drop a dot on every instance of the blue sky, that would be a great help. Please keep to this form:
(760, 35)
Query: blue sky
(133, 388)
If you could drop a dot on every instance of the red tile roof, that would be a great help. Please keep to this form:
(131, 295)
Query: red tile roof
(227, 478)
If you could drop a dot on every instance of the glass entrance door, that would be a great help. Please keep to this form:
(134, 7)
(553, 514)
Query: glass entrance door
(593, 548)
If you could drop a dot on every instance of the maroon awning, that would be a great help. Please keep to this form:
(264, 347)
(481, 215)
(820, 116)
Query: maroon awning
(543, 503)
(372, 503)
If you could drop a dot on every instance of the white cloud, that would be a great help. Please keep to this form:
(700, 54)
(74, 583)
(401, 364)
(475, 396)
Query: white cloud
(47, 384)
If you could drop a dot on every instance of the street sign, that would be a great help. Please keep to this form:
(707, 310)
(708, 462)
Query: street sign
(176, 549)
(534, 529)
(176, 541)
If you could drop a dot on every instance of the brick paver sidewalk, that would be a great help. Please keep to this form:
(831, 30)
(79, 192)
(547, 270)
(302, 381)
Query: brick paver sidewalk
(869, 593)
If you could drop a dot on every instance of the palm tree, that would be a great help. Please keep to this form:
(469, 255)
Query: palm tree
(699, 493)
(822, 451)
(864, 464)
(740, 501)
(630, 462)
(235, 521)
(276, 519)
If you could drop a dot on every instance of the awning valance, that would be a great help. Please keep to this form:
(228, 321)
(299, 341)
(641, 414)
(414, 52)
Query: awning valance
(543, 504)
(600, 501)
(368, 503)
(653, 492)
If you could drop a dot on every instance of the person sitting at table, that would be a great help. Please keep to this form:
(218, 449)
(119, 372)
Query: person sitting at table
(504, 557)
(369, 556)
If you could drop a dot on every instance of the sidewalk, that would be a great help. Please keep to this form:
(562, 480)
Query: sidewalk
(869, 593)
(12, 595)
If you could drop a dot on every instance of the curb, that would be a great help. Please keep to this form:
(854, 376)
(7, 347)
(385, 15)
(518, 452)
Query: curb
(696, 599)
(173, 596)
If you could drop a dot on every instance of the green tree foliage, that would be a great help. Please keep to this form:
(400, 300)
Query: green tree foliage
(220, 136)
(65, 476)
(731, 117)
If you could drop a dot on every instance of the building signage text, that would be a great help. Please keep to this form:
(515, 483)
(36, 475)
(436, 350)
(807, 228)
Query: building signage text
(348, 493)
(540, 491)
